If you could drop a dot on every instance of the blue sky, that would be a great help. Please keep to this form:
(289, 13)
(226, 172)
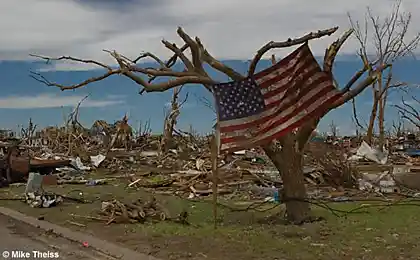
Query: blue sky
(89, 26)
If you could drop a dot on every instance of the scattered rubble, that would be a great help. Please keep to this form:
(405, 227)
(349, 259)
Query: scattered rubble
(42, 201)
(49, 157)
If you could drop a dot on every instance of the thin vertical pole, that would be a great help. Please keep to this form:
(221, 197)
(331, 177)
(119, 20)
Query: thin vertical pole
(214, 155)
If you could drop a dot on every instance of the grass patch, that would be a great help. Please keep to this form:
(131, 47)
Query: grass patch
(390, 233)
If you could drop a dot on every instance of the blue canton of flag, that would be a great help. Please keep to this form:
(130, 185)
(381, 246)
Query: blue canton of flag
(238, 99)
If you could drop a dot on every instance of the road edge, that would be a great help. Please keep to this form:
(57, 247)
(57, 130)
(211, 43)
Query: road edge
(75, 236)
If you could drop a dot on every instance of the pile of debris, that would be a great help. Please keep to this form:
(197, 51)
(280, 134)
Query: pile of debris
(138, 212)
(333, 166)
(184, 169)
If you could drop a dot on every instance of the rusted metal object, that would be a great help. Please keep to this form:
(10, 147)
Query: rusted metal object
(18, 165)
(15, 167)
(39, 164)
(46, 166)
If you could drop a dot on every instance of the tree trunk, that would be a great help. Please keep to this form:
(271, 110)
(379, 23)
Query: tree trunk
(381, 124)
(381, 115)
(167, 136)
(289, 163)
(373, 114)
(170, 122)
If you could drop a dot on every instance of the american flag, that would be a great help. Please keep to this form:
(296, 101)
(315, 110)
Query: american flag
(273, 102)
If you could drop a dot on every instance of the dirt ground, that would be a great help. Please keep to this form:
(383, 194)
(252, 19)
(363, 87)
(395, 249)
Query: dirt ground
(377, 233)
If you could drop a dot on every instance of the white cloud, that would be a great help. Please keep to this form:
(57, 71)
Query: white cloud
(229, 29)
(51, 101)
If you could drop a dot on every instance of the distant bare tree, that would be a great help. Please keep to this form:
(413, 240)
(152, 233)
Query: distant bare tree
(397, 128)
(28, 133)
(388, 37)
(334, 130)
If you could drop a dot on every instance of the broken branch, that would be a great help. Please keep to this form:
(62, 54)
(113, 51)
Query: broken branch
(288, 43)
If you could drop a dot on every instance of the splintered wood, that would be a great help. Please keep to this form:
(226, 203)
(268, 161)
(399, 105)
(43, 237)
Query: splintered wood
(138, 211)
(334, 168)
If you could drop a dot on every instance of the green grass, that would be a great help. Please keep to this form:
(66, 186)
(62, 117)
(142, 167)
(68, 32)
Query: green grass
(389, 233)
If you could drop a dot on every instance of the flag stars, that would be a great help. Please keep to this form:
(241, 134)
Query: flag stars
(239, 99)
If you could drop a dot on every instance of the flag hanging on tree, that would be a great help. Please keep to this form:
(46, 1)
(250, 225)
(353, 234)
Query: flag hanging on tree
(273, 102)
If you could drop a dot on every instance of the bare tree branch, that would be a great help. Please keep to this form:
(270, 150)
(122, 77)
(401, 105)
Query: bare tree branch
(288, 43)
(206, 102)
(217, 65)
(397, 128)
(69, 58)
(356, 119)
(172, 46)
(195, 51)
(171, 61)
(408, 112)
(151, 55)
(333, 50)
(40, 78)
(194, 72)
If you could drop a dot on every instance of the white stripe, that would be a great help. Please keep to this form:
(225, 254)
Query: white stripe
(273, 110)
(283, 126)
(284, 113)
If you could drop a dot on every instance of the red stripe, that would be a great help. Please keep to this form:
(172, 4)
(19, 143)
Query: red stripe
(283, 63)
(299, 109)
(284, 119)
(259, 121)
(291, 85)
(315, 114)
(306, 60)
(301, 94)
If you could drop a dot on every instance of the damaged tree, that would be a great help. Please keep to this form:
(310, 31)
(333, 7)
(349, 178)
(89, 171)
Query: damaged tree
(73, 126)
(288, 159)
(171, 117)
(390, 43)
(123, 134)
(334, 129)
(397, 128)
(28, 133)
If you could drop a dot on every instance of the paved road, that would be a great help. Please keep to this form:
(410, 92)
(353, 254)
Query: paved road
(15, 236)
